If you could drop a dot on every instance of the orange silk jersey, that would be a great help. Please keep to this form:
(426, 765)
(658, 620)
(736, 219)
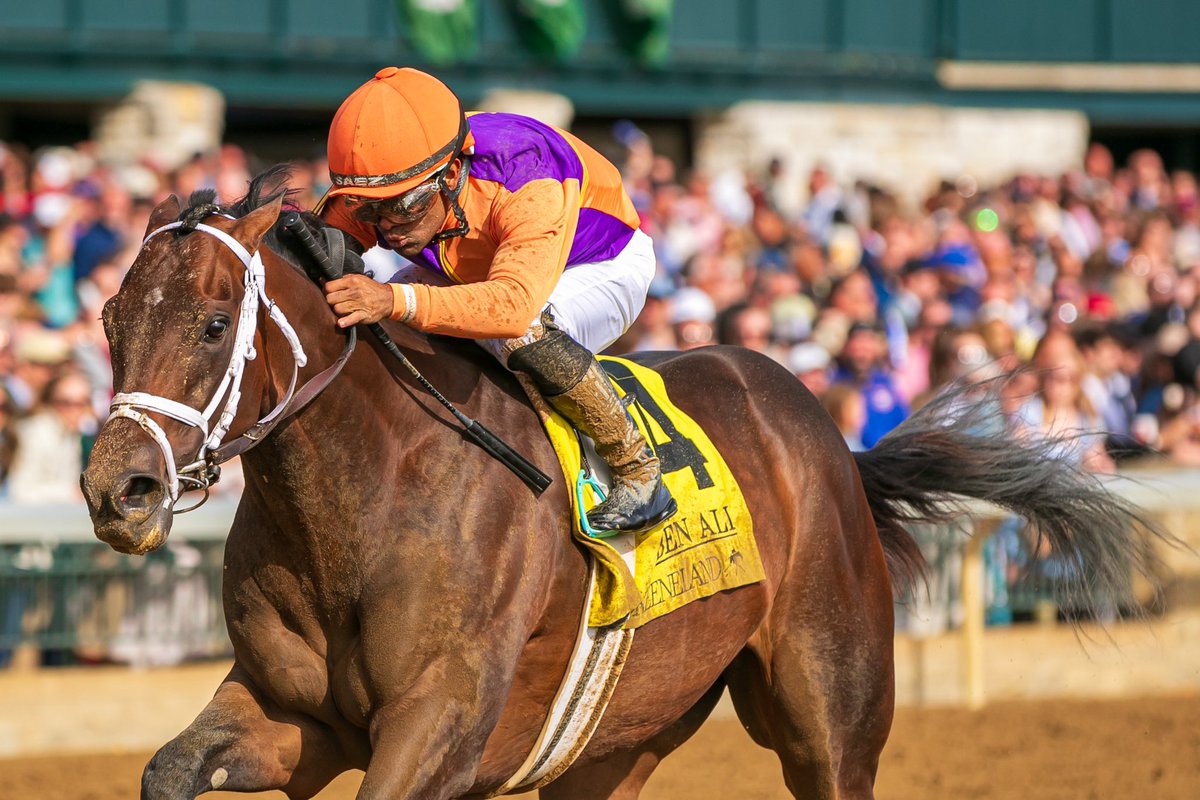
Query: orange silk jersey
(538, 201)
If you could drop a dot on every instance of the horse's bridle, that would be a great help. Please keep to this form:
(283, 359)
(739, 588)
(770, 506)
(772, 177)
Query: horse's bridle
(202, 473)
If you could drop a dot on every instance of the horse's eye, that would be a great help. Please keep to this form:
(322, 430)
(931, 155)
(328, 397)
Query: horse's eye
(217, 328)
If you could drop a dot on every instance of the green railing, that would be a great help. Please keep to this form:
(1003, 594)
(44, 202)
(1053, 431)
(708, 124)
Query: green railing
(312, 53)
(71, 599)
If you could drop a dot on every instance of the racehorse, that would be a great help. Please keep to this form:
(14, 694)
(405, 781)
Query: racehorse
(400, 603)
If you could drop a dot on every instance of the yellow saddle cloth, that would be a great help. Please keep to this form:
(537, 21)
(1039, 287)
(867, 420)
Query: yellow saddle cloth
(707, 547)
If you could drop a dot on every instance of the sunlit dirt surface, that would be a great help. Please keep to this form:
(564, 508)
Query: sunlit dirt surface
(1051, 750)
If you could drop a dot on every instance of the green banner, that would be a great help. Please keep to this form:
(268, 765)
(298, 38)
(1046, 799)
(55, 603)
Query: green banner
(649, 24)
(551, 28)
(443, 31)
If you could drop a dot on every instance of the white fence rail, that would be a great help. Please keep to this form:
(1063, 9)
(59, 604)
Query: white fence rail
(1166, 495)
(69, 524)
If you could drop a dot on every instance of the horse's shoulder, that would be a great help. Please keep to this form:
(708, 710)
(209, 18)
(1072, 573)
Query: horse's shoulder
(464, 358)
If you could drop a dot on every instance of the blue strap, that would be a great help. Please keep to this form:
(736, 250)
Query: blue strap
(586, 479)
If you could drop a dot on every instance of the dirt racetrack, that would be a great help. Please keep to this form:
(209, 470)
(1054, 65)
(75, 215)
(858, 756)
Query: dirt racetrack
(1048, 750)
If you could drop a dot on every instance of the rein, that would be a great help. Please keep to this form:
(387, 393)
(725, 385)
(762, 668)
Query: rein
(204, 471)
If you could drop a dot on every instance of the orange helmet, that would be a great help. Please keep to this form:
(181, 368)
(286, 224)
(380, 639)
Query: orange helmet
(393, 132)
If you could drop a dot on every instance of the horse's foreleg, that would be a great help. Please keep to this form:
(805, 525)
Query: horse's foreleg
(423, 747)
(427, 741)
(241, 742)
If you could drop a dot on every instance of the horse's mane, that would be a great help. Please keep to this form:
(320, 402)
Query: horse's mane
(264, 189)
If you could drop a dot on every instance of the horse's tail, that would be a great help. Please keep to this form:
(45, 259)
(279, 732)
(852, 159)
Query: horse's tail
(958, 447)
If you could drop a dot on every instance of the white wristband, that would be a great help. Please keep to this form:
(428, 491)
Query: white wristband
(410, 302)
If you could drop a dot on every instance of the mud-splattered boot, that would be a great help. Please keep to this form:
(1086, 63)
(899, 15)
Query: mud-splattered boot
(637, 499)
(572, 381)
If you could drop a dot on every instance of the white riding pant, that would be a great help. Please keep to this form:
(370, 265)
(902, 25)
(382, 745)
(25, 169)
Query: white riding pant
(593, 303)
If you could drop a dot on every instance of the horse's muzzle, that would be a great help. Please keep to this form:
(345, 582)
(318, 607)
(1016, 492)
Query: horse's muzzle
(129, 511)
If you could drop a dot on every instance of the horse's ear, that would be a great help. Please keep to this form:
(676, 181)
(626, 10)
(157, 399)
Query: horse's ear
(164, 212)
(251, 228)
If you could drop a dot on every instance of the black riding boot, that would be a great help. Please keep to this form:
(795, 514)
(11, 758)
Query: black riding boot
(572, 381)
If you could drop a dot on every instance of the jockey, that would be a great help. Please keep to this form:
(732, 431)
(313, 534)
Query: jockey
(527, 242)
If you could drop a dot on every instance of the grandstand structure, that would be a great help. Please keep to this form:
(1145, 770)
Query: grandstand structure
(891, 89)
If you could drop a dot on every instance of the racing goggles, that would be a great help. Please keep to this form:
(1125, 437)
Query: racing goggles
(408, 207)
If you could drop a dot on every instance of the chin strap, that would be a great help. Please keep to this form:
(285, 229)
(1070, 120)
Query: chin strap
(452, 195)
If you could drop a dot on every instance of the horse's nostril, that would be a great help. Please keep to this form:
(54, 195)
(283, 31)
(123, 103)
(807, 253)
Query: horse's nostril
(140, 492)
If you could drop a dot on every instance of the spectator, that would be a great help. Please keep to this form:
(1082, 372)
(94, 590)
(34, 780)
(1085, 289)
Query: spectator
(853, 297)
(862, 366)
(104, 215)
(38, 353)
(52, 443)
(810, 363)
(845, 405)
(1061, 411)
(1099, 246)
(914, 375)
(693, 315)
(961, 270)
(746, 326)
(1108, 390)
(824, 200)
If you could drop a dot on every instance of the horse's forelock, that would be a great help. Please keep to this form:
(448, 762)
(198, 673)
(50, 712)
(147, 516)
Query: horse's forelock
(264, 189)
(198, 210)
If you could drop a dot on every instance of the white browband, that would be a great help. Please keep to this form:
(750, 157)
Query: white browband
(132, 405)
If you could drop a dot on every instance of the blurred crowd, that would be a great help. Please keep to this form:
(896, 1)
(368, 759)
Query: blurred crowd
(1089, 277)
(70, 227)
(875, 302)
(1083, 285)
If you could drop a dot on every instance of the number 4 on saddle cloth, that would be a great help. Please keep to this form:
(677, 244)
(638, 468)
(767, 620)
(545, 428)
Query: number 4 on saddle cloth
(707, 547)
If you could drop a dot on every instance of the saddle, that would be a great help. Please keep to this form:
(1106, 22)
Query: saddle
(707, 547)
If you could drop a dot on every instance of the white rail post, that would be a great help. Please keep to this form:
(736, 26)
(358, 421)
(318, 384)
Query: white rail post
(974, 612)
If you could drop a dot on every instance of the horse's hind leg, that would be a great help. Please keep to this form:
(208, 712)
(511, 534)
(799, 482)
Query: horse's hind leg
(817, 688)
(622, 776)
(241, 743)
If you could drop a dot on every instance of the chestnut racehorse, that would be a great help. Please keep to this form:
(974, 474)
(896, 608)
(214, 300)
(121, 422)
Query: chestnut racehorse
(399, 602)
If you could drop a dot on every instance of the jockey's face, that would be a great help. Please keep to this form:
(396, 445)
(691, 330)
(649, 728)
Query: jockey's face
(408, 235)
